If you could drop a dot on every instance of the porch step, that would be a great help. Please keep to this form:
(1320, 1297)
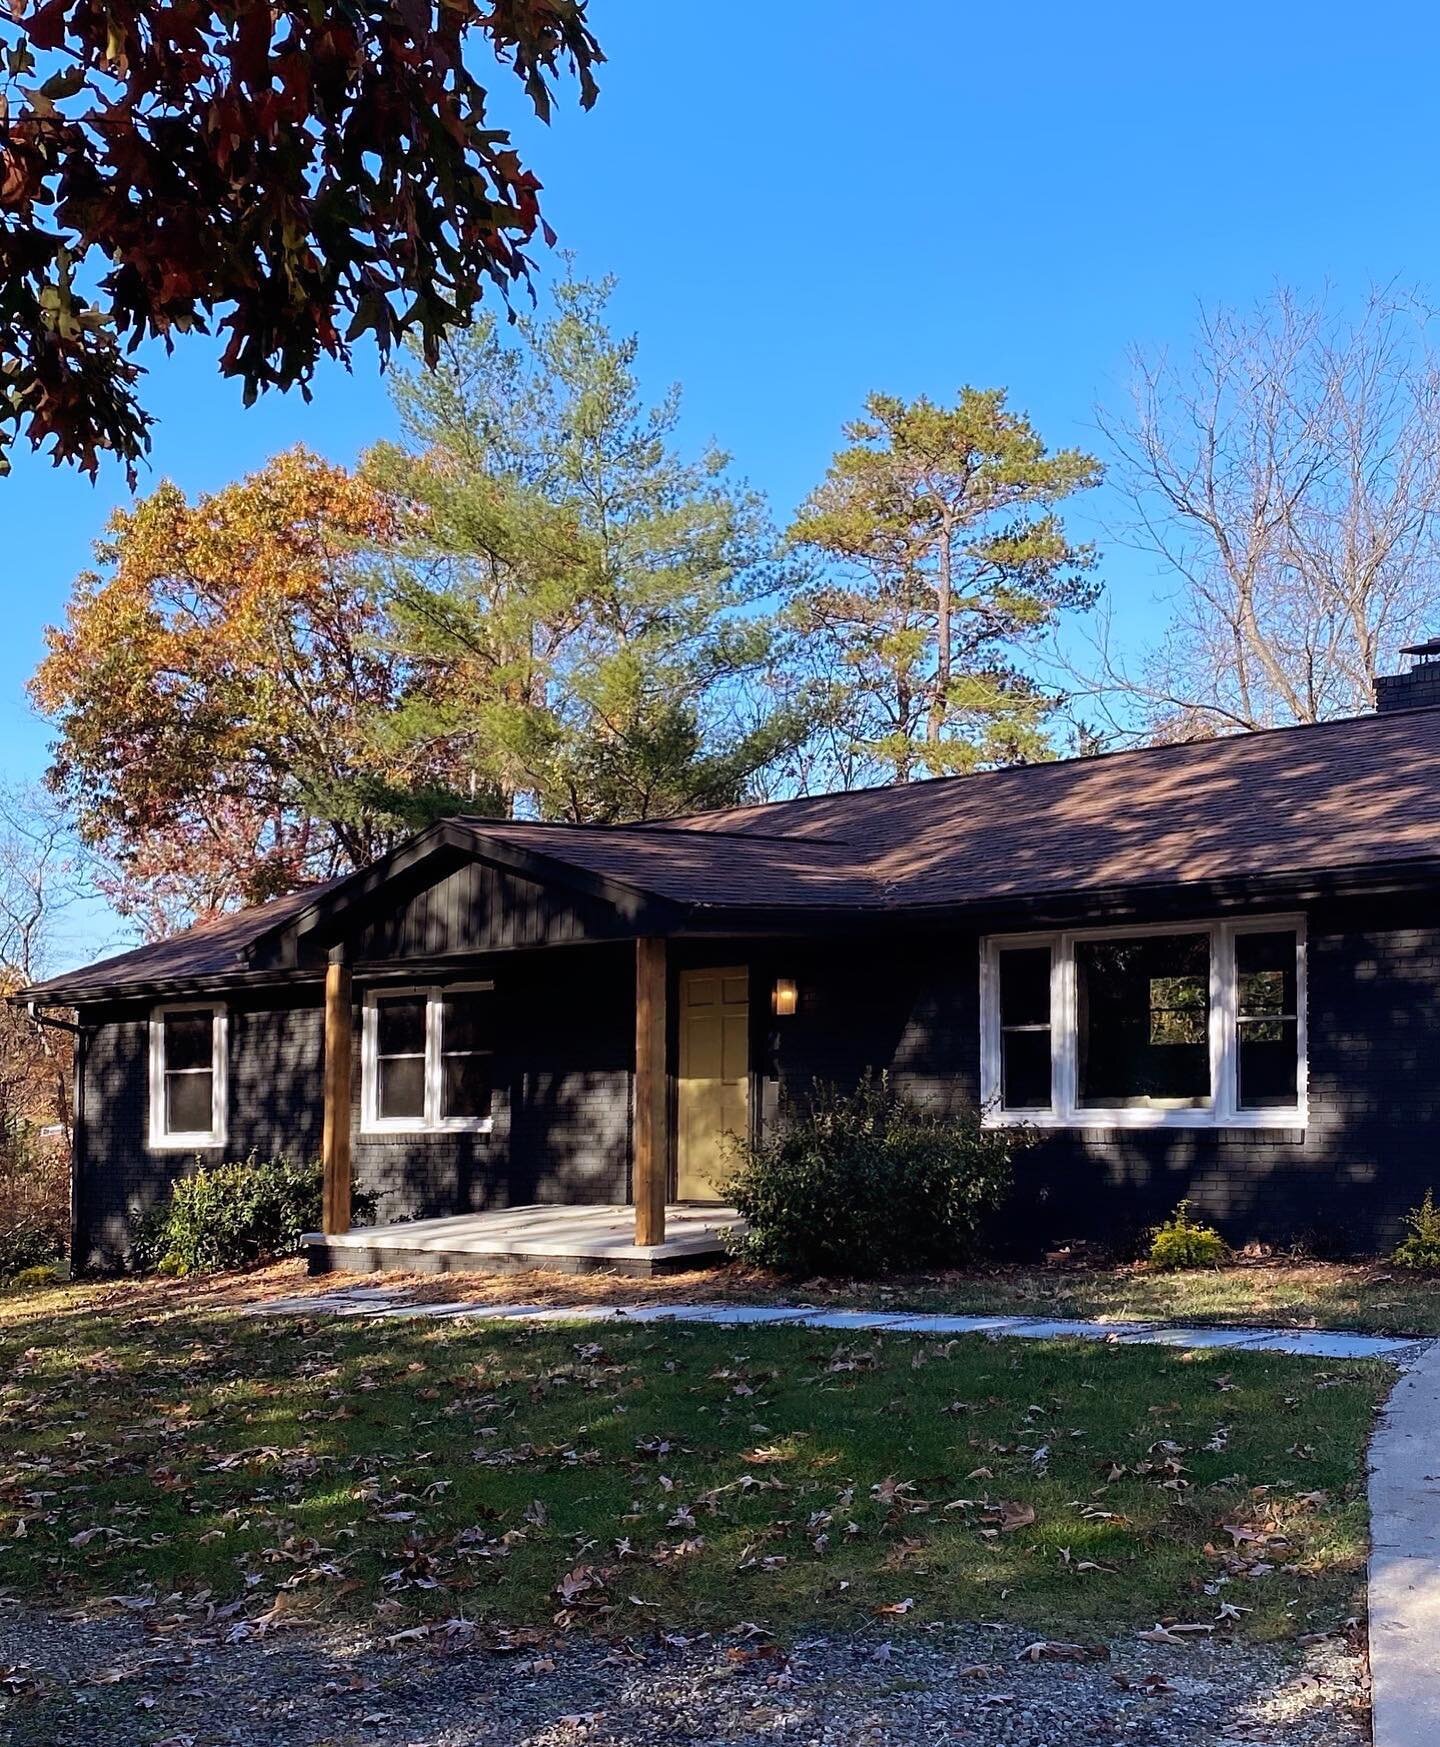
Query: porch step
(570, 1240)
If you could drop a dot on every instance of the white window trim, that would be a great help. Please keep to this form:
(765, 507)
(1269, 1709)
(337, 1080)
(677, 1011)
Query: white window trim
(162, 1139)
(1065, 1111)
(371, 1122)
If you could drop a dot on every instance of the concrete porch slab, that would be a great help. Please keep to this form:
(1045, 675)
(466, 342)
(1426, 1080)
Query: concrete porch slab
(574, 1240)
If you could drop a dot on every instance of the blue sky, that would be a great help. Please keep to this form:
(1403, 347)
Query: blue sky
(806, 202)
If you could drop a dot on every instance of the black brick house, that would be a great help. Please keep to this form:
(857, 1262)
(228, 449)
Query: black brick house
(1207, 970)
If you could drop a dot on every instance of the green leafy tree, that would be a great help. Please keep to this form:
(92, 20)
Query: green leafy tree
(940, 556)
(581, 603)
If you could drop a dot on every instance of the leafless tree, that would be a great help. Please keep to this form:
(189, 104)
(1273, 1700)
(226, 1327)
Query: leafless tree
(37, 883)
(1287, 474)
(36, 867)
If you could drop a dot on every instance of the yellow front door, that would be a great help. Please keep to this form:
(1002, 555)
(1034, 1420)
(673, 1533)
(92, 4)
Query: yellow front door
(714, 1076)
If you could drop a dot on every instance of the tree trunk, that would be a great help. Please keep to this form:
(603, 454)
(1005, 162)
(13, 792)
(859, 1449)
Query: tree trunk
(935, 722)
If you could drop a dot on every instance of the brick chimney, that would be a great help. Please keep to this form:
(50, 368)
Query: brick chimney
(1417, 689)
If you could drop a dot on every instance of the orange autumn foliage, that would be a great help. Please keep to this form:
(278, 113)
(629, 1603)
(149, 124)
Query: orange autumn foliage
(213, 687)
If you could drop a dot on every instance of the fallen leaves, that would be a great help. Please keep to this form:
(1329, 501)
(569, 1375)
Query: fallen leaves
(1048, 1650)
(582, 1581)
(315, 1470)
(1172, 1632)
(1151, 1684)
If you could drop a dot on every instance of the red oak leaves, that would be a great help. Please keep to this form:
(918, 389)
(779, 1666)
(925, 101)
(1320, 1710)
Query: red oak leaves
(296, 176)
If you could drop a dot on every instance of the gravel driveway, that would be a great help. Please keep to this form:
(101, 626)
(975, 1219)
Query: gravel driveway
(81, 1683)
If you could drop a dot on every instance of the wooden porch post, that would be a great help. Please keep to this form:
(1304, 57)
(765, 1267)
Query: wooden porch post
(335, 1144)
(652, 1096)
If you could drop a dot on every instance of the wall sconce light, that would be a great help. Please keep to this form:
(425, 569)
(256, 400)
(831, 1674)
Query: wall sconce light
(785, 997)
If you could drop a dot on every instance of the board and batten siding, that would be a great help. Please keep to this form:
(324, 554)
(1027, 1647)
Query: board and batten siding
(477, 907)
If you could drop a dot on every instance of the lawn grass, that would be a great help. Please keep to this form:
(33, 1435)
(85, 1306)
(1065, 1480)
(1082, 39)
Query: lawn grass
(668, 1479)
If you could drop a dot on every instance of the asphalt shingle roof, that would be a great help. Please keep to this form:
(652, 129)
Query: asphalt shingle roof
(1362, 793)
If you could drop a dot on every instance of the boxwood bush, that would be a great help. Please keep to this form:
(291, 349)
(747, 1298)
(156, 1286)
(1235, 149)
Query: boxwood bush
(235, 1216)
(867, 1182)
(26, 1244)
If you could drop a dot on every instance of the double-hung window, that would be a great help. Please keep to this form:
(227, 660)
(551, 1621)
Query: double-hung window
(1186, 1025)
(426, 1058)
(187, 1075)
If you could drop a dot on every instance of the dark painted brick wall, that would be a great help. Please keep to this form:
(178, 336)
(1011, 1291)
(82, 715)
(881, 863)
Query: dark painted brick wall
(561, 1108)
(1367, 1156)
(909, 1006)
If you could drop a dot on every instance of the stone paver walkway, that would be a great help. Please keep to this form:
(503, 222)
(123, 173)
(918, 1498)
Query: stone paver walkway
(379, 1301)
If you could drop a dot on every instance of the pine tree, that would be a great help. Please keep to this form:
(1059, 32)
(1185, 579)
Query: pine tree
(580, 603)
(940, 556)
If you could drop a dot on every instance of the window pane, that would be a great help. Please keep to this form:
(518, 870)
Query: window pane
(467, 1020)
(1267, 1032)
(401, 1088)
(188, 1103)
(1025, 1070)
(188, 1038)
(1265, 973)
(400, 1025)
(465, 1085)
(1269, 1064)
(1025, 987)
(1143, 1018)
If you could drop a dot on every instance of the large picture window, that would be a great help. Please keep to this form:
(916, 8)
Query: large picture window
(426, 1057)
(187, 1075)
(1191, 1025)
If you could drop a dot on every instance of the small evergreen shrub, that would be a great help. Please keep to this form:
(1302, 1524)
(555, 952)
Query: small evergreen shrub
(1186, 1242)
(1421, 1249)
(865, 1182)
(235, 1216)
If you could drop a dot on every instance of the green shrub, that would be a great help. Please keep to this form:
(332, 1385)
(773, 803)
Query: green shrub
(234, 1216)
(1184, 1242)
(28, 1241)
(865, 1182)
(1422, 1248)
(29, 1279)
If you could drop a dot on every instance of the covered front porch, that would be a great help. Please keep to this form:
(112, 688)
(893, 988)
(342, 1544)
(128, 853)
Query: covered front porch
(680, 1032)
(568, 1240)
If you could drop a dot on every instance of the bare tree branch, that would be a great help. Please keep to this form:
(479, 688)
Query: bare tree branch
(1288, 474)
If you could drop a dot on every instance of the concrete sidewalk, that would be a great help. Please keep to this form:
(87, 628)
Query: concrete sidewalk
(1405, 1560)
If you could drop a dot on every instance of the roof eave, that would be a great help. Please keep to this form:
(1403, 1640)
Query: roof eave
(58, 993)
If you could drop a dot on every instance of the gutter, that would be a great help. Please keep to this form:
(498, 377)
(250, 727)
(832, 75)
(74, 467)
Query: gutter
(212, 983)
